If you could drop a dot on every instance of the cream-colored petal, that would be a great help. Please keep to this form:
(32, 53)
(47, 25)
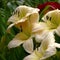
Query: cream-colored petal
(40, 30)
(17, 40)
(14, 43)
(40, 26)
(55, 17)
(47, 41)
(23, 20)
(15, 23)
(11, 25)
(40, 35)
(34, 18)
(49, 52)
(13, 18)
(54, 14)
(28, 45)
(19, 13)
(33, 56)
(47, 47)
(58, 30)
(57, 45)
(22, 12)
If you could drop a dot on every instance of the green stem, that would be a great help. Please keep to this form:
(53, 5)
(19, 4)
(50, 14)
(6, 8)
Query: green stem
(41, 14)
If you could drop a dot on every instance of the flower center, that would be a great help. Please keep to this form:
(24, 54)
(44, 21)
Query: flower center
(51, 25)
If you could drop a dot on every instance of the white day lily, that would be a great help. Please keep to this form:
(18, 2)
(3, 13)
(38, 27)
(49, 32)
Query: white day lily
(52, 19)
(45, 35)
(23, 13)
(24, 18)
(46, 49)
(51, 22)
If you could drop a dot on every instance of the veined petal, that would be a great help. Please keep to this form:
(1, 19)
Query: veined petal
(47, 47)
(23, 12)
(19, 13)
(34, 17)
(40, 30)
(28, 45)
(58, 30)
(39, 27)
(18, 40)
(13, 18)
(16, 23)
(54, 18)
(47, 41)
(53, 14)
(49, 52)
(40, 35)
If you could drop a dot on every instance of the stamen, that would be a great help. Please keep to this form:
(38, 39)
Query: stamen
(47, 17)
(50, 18)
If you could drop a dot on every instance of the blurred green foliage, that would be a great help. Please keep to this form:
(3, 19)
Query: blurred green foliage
(6, 9)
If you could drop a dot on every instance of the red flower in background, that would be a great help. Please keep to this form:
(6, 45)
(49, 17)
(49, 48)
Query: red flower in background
(53, 5)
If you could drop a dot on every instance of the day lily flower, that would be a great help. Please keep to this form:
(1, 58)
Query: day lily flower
(52, 19)
(24, 18)
(46, 49)
(23, 13)
(51, 22)
(50, 26)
